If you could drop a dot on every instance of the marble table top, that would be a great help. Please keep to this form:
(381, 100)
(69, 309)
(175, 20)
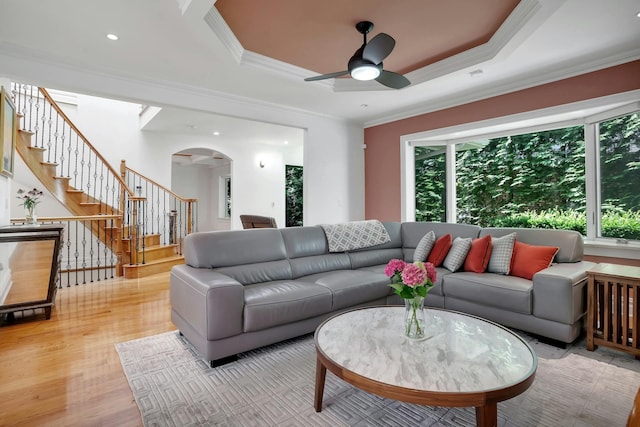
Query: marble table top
(460, 353)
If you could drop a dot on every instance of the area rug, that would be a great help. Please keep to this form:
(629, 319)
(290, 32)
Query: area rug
(274, 385)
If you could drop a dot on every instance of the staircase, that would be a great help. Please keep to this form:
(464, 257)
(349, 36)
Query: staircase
(130, 225)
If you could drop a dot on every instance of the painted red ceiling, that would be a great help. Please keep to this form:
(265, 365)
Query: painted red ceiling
(320, 36)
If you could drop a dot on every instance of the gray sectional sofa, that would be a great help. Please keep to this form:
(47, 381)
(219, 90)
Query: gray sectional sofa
(244, 289)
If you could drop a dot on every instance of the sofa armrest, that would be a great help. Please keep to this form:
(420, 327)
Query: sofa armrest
(210, 302)
(559, 292)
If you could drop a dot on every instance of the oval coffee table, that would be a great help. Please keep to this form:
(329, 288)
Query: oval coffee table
(463, 361)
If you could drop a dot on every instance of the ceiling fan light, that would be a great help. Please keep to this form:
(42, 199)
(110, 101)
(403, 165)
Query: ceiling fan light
(365, 72)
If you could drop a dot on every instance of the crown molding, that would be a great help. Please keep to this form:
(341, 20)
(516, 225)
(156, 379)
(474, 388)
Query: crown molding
(524, 19)
(275, 66)
(540, 77)
(21, 64)
(522, 22)
(219, 26)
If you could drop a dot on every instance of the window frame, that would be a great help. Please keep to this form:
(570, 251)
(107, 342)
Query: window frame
(575, 114)
(224, 202)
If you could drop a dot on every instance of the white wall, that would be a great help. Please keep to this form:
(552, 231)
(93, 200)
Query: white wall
(112, 127)
(333, 155)
(333, 168)
(217, 221)
(189, 182)
(5, 183)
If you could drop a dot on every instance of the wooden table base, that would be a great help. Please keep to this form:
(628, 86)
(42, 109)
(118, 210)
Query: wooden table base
(486, 416)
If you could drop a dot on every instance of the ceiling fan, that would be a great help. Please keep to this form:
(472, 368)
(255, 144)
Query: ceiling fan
(366, 63)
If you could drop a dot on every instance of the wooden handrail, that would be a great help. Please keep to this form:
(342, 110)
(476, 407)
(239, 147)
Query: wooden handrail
(71, 218)
(127, 168)
(86, 141)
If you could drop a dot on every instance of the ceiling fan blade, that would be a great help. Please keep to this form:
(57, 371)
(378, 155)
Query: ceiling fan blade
(393, 80)
(326, 76)
(378, 48)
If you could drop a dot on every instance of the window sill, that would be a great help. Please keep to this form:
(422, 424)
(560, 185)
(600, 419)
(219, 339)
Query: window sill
(610, 248)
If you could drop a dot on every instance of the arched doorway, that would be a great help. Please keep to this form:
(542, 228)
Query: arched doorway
(193, 166)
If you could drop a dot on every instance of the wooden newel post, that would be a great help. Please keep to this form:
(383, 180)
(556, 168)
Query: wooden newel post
(189, 216)
(120, 223)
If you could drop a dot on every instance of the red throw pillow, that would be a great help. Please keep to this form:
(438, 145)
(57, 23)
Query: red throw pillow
(479, 254)
(440, 250)
(527, 260)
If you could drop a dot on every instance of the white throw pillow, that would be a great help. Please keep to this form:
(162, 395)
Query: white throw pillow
(501, 252)
(424, 247)
(457, 254)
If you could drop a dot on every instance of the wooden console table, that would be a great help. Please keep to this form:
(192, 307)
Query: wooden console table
(29, 265)
(613, 316)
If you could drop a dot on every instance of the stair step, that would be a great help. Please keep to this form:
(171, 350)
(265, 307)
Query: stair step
(152, 267)
(153, 253)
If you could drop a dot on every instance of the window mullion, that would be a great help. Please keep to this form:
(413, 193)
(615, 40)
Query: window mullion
(451, 206)
(592, 180)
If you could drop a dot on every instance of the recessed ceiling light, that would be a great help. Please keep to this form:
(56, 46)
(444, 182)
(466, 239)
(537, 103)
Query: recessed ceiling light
(364, 105)
(112, 36)
(476, 73)
(638, 14)
(216, 133)
(286, 142)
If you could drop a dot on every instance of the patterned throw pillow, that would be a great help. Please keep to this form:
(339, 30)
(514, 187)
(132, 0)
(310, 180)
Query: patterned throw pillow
(424, 247)
(457, 254)
(501, 252)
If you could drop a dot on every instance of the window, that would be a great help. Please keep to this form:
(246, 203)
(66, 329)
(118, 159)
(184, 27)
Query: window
(619, 160)
(431, 190)
(519, 180)
(293, 195)
(224, 199)
(578, 173)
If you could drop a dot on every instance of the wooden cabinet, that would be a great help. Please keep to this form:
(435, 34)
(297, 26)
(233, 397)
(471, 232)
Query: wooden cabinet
(29, 268)
(613, 317)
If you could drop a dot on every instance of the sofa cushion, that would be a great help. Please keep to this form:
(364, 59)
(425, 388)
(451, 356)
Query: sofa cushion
(527, 259)
(213, 249)
(495, 290)
(570, 243)
(478, 257)
(424, 247)
(276, 303)
(501, 253)
(440, 250)
(258, 272)
(457, 254)
(304, 241)
(373, 257)
(318, 264)
(352, 287)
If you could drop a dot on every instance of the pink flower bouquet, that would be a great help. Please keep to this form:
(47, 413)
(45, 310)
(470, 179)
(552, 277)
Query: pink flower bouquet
(410, 280)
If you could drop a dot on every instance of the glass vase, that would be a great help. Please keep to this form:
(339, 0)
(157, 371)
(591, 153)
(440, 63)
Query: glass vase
(30, 215)
(414, 320)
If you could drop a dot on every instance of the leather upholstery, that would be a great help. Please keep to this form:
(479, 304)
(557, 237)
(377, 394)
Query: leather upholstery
(570, 243)
(243, 289)
(214, 249)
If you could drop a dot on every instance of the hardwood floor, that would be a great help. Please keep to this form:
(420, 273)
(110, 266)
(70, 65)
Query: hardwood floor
(65, 371)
